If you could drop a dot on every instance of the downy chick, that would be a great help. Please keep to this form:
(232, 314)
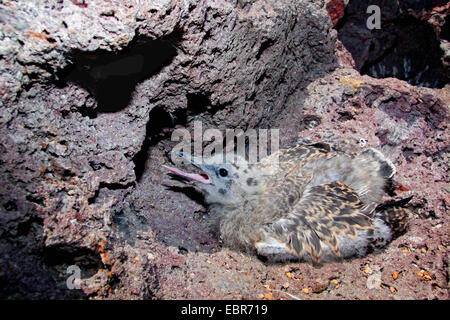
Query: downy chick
(306, 203)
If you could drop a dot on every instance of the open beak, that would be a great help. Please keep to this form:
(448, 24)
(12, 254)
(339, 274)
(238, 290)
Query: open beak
(198, 177)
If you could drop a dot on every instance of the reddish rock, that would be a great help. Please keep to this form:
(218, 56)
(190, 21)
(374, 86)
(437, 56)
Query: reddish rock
(335, 9)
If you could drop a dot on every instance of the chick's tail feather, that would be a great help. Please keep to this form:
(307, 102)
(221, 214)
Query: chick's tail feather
(395, 215)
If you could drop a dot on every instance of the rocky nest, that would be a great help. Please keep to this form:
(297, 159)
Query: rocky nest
(91, 92)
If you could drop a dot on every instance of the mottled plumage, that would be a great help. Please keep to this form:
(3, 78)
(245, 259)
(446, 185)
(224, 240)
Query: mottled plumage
(307, 202)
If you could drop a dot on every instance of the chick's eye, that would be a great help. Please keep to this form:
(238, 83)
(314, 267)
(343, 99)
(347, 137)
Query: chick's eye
(223, 172)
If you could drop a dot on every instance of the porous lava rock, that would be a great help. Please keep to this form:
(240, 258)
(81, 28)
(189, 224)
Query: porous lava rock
(91, 92)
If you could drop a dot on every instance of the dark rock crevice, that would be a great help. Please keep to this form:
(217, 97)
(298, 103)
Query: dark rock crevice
(231, 64)
(445, 30)
(415, 56)
(111, 77)
(87, 259)
(162, 122)
(405, 47)
(159, 125)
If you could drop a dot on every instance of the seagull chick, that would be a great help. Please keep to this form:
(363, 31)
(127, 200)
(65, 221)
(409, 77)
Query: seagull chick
(308, 202)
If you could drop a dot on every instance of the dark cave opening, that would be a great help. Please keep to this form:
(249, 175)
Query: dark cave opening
(197, 103)
(88, 260)
(62, 260)
(419, 5)
(112, 76)
(415, 57)
(405, 47)
(162, 122)
(445, 31)
(159, 125)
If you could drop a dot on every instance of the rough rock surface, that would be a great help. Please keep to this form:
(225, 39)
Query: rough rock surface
(90, 93)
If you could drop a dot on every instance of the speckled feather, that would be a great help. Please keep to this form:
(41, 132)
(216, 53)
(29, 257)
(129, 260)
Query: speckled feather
(320, 216)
